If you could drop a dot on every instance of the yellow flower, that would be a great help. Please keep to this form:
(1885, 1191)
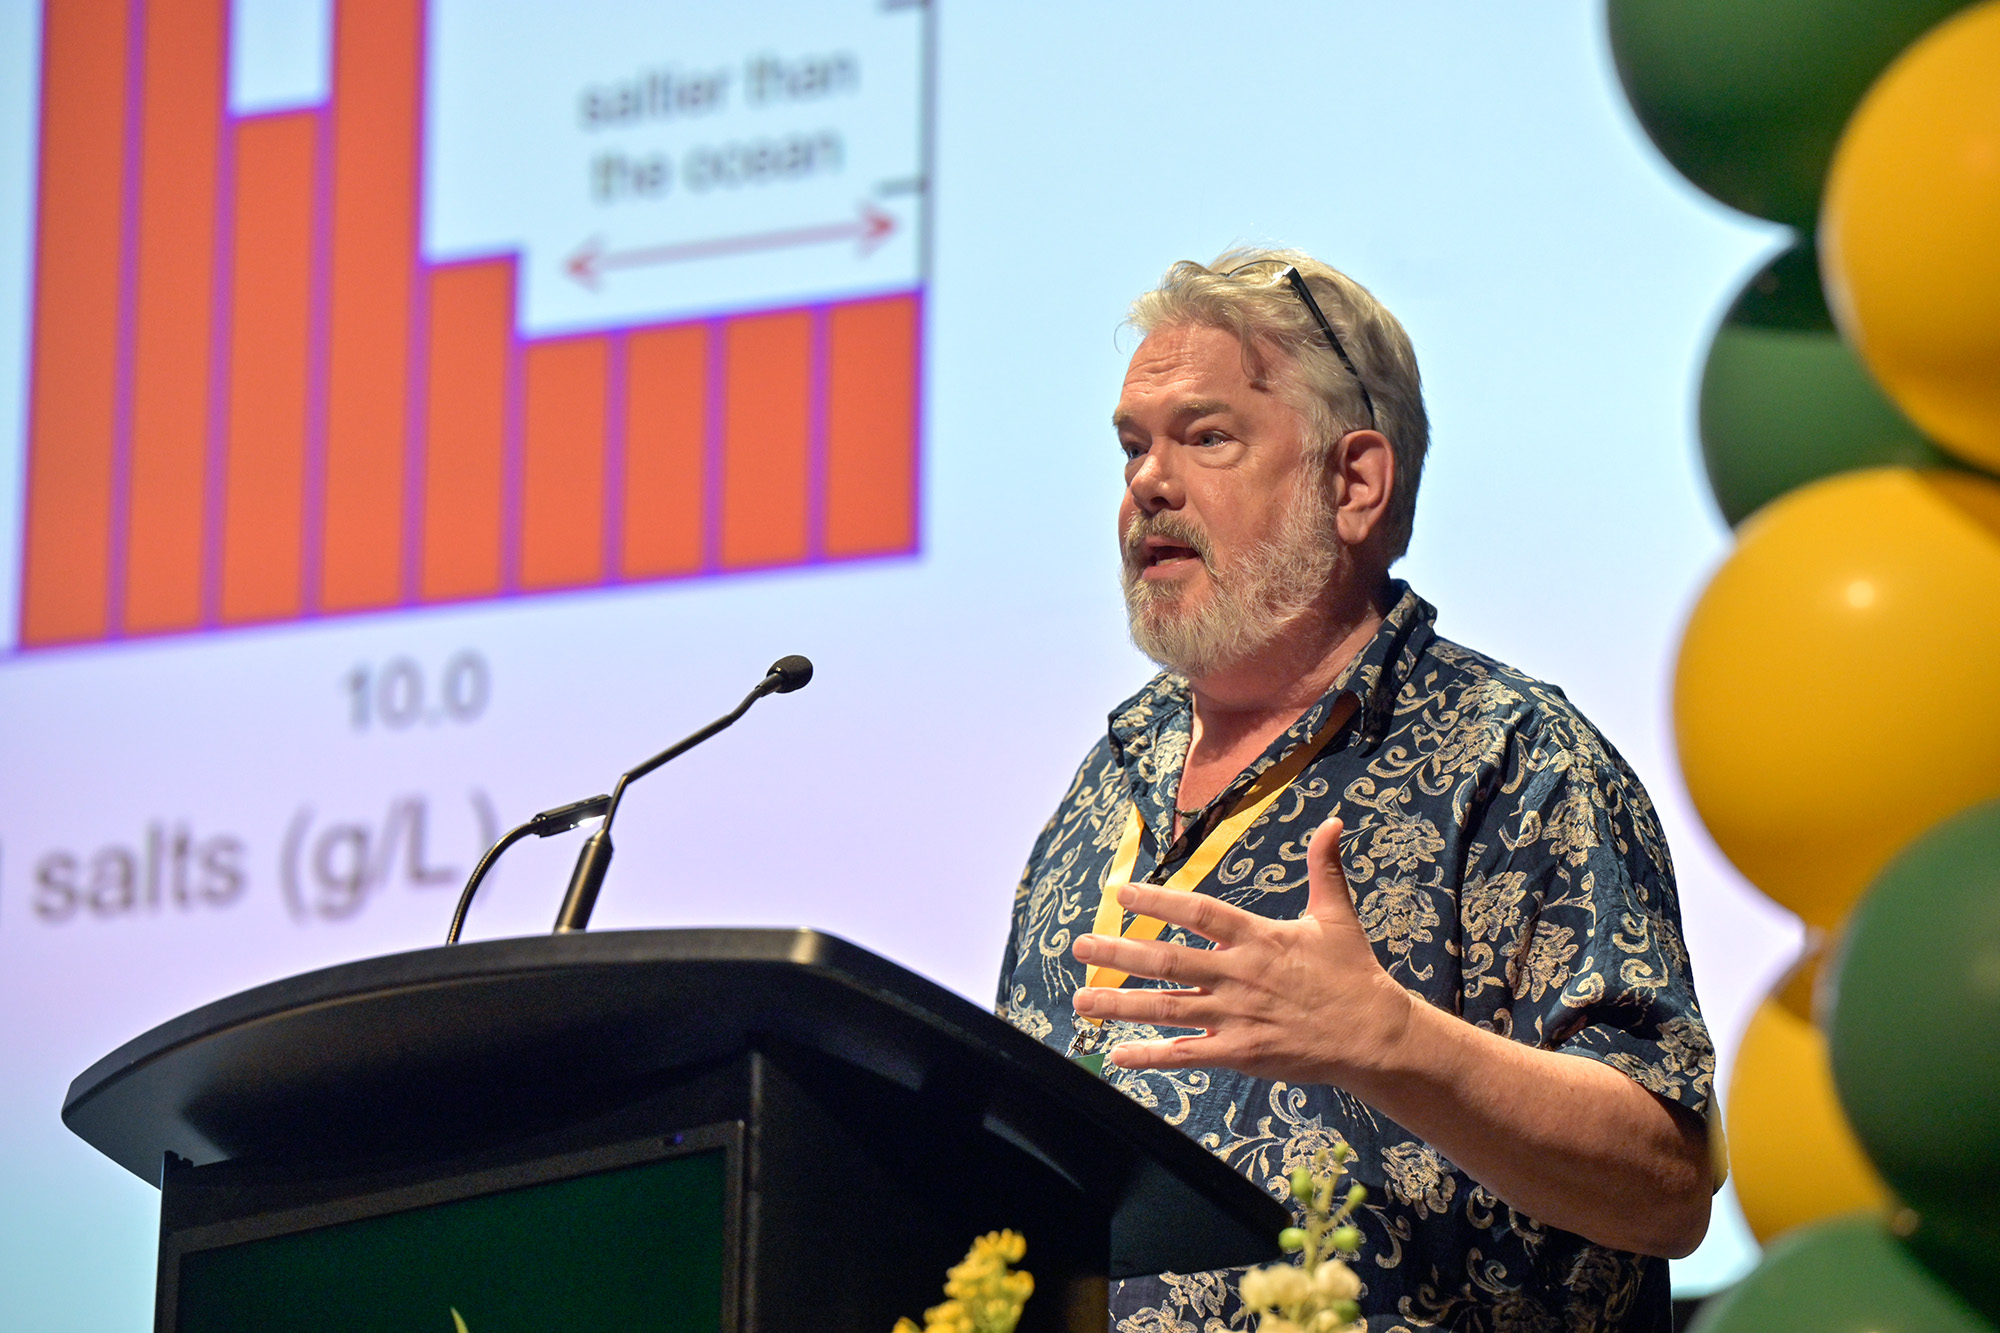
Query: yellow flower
(983, 1294)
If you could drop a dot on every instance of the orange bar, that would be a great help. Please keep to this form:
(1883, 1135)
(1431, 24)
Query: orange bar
(182, 119)
(871, 427)
(562, 459)
(465, 428)
(666, 424)
(73, 389)
(270, 341)
(376, 78)
(767, 425)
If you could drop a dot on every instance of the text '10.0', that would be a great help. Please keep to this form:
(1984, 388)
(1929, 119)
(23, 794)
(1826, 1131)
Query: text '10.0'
(400, 694)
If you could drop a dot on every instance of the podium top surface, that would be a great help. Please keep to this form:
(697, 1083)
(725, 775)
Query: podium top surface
(404, 1048)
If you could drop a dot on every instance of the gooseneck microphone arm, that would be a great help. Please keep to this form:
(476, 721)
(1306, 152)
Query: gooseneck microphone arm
(786, 674)
(545, 825)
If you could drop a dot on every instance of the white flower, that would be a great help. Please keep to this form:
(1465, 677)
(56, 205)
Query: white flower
(1335, 1281)
(1278, 1286)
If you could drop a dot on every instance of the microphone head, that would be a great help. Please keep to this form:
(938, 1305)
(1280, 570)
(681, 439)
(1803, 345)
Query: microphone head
(792, 672)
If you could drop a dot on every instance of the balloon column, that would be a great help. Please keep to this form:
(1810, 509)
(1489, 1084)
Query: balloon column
(1837, 698)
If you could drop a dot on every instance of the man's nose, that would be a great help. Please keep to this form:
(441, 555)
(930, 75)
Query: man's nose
(1155, 484)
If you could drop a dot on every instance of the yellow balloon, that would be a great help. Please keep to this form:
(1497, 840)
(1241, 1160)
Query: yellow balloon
(1837, 690)
(1910, 232)
(1791, 1153)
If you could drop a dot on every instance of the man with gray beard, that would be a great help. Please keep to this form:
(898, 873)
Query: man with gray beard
(1332, 879)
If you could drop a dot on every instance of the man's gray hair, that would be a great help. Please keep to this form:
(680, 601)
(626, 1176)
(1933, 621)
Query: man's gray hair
(1245, 292)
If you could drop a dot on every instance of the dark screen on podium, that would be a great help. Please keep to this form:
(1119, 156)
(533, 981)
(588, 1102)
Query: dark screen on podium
(631, 1249)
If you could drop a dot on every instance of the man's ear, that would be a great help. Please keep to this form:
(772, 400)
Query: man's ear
(1364, 477)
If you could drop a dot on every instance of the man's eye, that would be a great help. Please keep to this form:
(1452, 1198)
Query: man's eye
(1210, 437)
(1132, 450)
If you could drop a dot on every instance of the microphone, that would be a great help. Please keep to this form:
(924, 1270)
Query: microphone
(786, 674)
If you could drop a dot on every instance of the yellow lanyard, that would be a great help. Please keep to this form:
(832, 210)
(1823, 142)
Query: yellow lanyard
(1270, 784)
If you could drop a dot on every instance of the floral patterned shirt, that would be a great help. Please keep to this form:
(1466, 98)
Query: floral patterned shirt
(1507, 866)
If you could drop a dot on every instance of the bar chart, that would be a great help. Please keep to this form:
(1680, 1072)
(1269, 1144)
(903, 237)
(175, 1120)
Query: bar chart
(254, 398)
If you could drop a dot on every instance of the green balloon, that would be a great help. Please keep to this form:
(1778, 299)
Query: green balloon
(1915, 1029)
(1848, 1275)
(1748, 97)
(1783, 400)
(1963, 1248)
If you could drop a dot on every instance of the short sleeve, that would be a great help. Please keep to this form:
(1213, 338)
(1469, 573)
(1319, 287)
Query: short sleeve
(1010, 956)
(1570, 925)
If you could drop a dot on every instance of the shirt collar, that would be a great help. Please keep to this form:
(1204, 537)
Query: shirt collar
(1377, 673)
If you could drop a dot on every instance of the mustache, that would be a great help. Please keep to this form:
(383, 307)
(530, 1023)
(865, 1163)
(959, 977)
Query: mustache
(1167, 526)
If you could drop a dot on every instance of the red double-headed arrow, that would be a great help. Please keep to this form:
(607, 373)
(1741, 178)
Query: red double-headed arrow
(591, 260)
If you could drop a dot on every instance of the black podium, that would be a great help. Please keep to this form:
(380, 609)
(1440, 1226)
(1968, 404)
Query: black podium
(753, 1130)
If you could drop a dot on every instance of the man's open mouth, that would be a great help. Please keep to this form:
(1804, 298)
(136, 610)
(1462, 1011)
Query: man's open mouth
(1162, 553)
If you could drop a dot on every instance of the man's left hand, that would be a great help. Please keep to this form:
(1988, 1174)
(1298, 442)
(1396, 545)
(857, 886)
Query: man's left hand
(1304, 1000)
